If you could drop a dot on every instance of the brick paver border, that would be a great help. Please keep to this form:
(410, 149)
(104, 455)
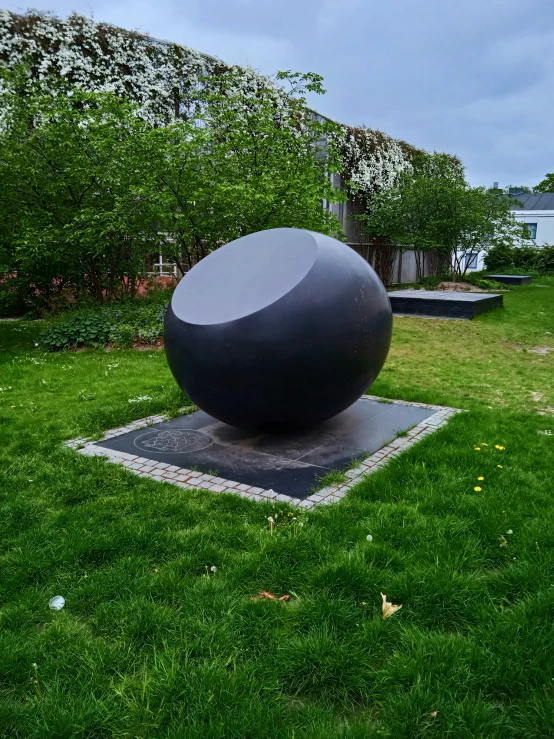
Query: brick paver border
(188, 479)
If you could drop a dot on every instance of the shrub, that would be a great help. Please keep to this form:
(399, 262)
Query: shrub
(120, 324)
(499, 258)
(433, 281)
(527, 257)
(545, 261)
(85, 327)
(529, 260)
(123, 335)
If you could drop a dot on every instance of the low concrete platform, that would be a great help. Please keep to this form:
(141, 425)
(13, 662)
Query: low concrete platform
(511, 279)
(443, 303)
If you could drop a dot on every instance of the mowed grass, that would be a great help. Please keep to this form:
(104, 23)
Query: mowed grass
(151, 643)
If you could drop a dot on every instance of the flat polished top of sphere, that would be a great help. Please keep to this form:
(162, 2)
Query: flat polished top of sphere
(245, 276)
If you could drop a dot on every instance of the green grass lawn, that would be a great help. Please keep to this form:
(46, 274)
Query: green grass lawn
(152, 644)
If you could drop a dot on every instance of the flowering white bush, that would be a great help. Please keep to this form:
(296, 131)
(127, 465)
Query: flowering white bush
(372, 160)
(163, 78)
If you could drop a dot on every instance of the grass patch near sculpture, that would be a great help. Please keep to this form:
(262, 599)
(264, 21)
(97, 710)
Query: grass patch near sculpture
(159, 636)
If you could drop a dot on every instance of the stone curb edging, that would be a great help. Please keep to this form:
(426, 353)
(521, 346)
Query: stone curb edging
(188, 479)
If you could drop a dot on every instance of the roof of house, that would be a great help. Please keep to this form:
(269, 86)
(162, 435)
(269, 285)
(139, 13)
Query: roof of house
(534, 201)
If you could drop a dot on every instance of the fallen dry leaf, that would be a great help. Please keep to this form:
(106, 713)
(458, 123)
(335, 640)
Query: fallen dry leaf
(388, 608)
(434, 714)
(265, 594)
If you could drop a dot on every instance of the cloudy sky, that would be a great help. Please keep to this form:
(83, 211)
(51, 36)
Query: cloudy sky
(470, 77)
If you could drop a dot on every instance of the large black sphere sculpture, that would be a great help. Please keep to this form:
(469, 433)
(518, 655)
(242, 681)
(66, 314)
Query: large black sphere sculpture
(279, 329)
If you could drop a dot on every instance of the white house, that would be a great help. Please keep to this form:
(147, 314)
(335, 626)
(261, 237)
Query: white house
(537, 211)
(534, 209)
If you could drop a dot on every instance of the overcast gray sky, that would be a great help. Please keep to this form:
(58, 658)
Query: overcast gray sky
(470, 77)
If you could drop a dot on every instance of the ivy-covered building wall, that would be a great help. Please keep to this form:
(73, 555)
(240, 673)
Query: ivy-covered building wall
(162, 78)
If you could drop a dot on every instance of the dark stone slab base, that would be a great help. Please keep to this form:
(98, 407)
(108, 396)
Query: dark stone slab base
(284, 461)
(443, 303)
(511, 279)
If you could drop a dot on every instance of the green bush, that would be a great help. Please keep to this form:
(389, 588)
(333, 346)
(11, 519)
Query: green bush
(123, 335)
(433, 281)
(527, 257)
(545, 261)
(529, 260)
(120, 323)
(85, 327)
(499, 258)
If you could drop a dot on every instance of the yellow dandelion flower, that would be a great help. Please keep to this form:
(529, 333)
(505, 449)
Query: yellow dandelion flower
(499, 465)
(477, 489)
(477, 448)
(483, 443)
(481, 478)
(500, 448)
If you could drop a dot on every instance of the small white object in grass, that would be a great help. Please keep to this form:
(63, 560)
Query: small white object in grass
(139, 398)
(369, 537)
(56, 603)
(509, 531)
(213, 568)
(270, 519)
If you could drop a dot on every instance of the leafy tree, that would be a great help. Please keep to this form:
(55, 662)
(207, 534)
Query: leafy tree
(434, 208)
(546, 185)
(256, 160)
(69, 161)
(88, 188)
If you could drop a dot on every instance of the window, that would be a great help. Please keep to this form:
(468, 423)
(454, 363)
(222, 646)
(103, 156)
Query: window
(157, 265)
(471, 259)
(532, 229)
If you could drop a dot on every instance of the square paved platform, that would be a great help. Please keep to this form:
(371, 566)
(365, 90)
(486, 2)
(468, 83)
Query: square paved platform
(443, 303)
(511, 279)
(196, 450)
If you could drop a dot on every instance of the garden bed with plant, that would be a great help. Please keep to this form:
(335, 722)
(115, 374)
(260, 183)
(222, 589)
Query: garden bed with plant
(123, 325)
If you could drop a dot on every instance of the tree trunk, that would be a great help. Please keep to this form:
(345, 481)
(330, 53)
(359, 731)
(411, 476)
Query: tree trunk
(385, 256)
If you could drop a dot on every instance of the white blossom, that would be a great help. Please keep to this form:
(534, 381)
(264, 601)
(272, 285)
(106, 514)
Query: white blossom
(164, 79)
(373, 161)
